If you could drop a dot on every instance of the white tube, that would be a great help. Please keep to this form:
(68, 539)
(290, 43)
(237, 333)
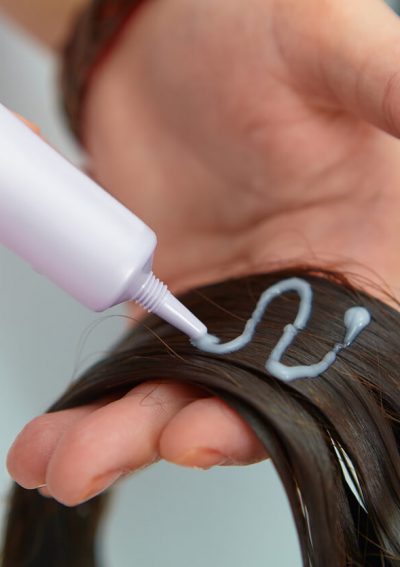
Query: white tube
(75, 233)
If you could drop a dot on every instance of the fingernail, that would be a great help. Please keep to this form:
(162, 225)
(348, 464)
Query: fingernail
(99, 484)
(202, 458)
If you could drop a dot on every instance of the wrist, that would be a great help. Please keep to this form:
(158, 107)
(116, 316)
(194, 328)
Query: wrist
(47, 21)
(94, 36)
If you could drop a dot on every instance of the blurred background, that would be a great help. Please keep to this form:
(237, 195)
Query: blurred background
(165, 515)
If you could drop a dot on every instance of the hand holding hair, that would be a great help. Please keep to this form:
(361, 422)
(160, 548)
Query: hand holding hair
(286, 111)
(310, 427)
(272, 128)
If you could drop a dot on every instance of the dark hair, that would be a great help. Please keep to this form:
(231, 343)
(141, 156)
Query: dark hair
(314, 429)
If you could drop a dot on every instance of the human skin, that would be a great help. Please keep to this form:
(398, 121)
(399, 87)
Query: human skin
(45, 20)
(250, 136)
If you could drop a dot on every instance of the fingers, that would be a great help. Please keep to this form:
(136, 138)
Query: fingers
(116, 439)
(206, 433)
(30, 453)
(346, 53)
(75, 454)
(34, 127)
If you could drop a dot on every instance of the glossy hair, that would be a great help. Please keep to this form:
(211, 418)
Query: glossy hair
(313, 428)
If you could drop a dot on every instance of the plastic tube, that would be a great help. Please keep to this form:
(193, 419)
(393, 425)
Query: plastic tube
(75, 233)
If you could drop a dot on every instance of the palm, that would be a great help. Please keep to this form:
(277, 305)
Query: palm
(232, 132)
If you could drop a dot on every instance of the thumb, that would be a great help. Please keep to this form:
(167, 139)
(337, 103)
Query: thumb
(34, 127)
(350, 58)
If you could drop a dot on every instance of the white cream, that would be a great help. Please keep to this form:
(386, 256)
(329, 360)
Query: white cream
(355, 320)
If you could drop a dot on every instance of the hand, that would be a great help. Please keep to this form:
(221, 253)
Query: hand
(249, 133)
(80, 452)
(252, 134)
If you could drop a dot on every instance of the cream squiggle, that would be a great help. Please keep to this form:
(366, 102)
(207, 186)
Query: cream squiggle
(355, 320)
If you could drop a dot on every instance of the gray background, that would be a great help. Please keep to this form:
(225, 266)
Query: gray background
(164, 516)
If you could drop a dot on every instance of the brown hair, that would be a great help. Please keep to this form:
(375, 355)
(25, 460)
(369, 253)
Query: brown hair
(305, 425)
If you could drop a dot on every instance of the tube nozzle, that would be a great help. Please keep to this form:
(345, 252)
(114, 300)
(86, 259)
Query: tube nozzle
(155, 297)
